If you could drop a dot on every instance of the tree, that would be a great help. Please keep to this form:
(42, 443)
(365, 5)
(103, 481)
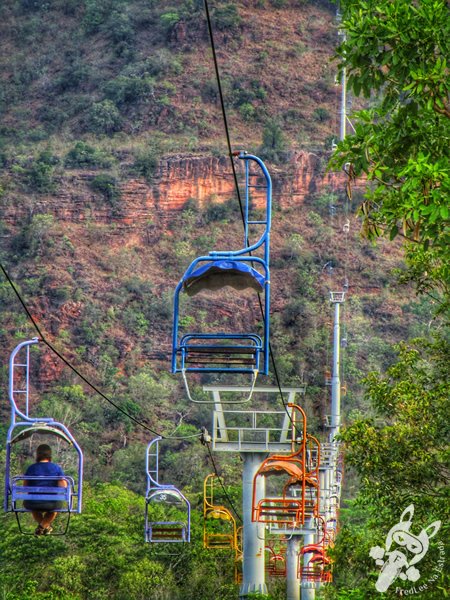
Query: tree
(274, 144)
(395, 53)
(400, 463)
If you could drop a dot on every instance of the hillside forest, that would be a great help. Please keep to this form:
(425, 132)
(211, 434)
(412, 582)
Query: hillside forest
(115, 174)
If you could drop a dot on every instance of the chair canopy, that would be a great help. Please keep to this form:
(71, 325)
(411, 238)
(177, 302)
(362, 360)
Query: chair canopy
(221, 273)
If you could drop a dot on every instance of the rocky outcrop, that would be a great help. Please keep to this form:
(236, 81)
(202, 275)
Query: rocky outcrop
(177, 180)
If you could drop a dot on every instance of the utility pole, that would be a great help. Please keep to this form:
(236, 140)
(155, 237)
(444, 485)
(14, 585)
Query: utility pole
(343, 109)
(336, 298)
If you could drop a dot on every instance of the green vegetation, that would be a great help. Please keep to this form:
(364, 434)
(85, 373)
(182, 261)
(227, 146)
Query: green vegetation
(82, 155)
(400, 145)
(104, 117)
(104, 556)
(107, 186)
(274, 144)
(146, 160)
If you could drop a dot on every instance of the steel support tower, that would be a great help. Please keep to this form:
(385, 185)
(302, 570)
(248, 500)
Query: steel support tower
(255, 434)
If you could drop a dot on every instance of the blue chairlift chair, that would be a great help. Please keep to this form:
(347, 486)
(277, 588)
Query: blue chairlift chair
(167, 497)
(230, 352)
(22, 427)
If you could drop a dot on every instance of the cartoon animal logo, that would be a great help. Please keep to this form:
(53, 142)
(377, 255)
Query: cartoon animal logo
(399, 562)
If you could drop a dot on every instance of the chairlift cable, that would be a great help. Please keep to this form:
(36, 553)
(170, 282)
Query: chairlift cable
(227, 133)
(78, 373)
(222, 104)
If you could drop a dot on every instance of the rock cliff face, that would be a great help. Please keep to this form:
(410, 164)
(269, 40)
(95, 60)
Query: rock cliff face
(176, 181)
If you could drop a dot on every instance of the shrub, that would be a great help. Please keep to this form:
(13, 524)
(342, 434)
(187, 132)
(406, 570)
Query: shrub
(321, 114)
(248, 111)
(220, 212)
(37, 134)
(107, 186)
(33, 5)
(36, 238)
(104, 117)
(83, 155)
(121, 31)
(59, 295)
(146, 161)
(72, 76)
(240, 94)
(226, 17)
(39, 175)
(126, 90)
(209, 91)
(135, 321)
(168, 20)
(162, 62)
(96, 13)
(52, 117)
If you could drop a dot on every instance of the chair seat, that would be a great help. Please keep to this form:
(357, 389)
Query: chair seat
(221, 273)
(219, 541)
(167, 532)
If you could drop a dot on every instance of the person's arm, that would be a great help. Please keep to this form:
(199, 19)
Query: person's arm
(61, 482)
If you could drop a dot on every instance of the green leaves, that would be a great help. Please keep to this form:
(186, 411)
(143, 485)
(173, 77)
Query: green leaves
(397, 53)
(401, 462)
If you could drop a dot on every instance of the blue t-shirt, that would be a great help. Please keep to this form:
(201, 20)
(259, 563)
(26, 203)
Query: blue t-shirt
(44, 469)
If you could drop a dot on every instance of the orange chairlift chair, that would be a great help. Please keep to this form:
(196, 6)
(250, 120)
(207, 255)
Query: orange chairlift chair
(317, 567)
(293, 479)
(275, 560)
(219, 525)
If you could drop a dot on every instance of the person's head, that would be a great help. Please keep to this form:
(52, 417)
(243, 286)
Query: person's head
(43, 452)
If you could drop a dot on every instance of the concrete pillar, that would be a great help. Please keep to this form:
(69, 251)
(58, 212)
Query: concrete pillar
(253, 576)
(308, 593)
(292, 579)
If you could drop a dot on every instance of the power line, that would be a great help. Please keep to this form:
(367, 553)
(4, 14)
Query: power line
(77, 372)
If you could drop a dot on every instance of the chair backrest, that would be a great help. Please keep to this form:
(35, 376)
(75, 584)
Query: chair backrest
(36, 493)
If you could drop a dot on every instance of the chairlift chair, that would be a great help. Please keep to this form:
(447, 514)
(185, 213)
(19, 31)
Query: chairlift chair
(317, 567)
(298, 497)
(222, 517)
(239, 555)
(22, 427)
(169, 498)
(275, 561)
(221, 351)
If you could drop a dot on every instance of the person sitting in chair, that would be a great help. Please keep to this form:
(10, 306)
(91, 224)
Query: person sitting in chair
(44, 511)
